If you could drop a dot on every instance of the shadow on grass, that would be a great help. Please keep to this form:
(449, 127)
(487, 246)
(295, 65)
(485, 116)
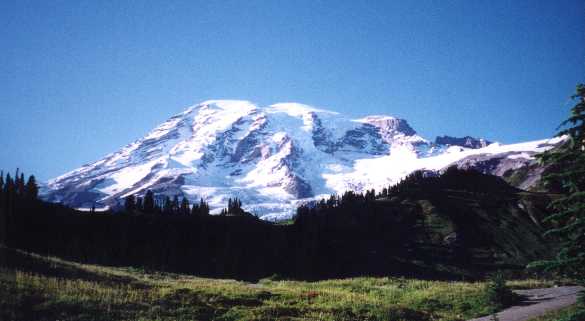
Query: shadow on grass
(11, 259)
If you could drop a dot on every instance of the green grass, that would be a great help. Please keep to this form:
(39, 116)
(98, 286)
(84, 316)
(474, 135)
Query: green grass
(558, 315)
(63, 290)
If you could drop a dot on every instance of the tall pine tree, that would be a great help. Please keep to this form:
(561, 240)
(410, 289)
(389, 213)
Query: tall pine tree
(130, 203)
(139, 206)
(167, 206)
(185, 206)
(175, 205)
(567, 174)
(20, 185)
(2, 211)
(148, 203)
(31, 189)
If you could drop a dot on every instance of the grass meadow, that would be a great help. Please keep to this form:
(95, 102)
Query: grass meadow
(49, 288)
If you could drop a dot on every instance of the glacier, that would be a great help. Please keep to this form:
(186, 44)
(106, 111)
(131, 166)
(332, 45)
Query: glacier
(273, 158)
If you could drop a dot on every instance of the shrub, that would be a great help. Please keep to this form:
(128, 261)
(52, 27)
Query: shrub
(497, 294)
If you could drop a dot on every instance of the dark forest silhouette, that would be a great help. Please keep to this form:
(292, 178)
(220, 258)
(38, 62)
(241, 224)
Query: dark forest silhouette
(387, 233)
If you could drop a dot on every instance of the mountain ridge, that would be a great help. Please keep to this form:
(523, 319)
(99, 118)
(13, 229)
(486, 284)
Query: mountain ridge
(273, 158)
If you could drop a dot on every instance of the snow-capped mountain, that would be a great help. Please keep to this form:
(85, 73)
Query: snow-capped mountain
(272, 158)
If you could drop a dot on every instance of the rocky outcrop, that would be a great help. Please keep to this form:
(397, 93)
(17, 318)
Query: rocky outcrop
(467, 141)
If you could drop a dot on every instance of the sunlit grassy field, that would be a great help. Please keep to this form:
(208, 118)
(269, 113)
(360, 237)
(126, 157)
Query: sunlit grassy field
(60, 290)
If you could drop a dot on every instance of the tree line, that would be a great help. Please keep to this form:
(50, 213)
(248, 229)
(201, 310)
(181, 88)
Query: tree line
(152, 204)
(346, 235)
(164, 205)
(13, 192)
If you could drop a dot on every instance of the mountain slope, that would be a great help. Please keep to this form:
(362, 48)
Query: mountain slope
(272, 158)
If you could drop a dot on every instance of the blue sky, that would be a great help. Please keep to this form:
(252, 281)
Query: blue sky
(81, 79)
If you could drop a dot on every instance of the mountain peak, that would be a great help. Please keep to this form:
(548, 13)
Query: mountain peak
(298, 109)
(272, 158)
(388, 124)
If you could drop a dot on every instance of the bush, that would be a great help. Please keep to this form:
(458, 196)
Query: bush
(497, 294)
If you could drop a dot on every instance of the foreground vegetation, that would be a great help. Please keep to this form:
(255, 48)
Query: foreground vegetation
(44, 288)
(558, 315)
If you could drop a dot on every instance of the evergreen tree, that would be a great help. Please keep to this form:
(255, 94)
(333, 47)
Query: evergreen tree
(184, 206)
(3, 222)
(175, 205)
(139, 206)
(195, 210)
(567, 172)
(234, 207)
(20, 185)
(149, 204)
(167, 206)
(385, 192)
(16, 180)
(9, 195)
(1, 182)
(130, 203)
(203, 208)
(31, 189)
(2, 192)
(159, 205)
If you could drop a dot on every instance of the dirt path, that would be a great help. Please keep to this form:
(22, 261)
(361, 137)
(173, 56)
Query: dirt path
(537, 302)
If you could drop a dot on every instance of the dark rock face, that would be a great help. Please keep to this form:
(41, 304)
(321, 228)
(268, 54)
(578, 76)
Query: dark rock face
(298, 187)
(466, 141)
(366, 137)
(374, 136)
(520, 172)
(392, 125)
(322, 137)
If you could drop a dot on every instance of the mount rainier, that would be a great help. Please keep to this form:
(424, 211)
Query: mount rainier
(274, 158)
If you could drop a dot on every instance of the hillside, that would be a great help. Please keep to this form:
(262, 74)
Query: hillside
(459, 224)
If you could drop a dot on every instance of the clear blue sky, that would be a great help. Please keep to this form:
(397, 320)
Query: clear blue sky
(80, 79)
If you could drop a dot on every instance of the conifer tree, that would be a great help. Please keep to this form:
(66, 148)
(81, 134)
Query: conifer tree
(234, 207)
(184, 206)
(20, 185)
(195, 210)
(16, 180)
(167, 206)
(9, 194)
(139, 206)
(1, 182)
(175, 205)
(203, 208)
(2, 211)
(567, 173)
(2, 192)
(31, 189)
(130, 203)
(149, 204)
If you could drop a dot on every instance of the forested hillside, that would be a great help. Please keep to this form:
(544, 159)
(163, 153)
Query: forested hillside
(459, 224)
